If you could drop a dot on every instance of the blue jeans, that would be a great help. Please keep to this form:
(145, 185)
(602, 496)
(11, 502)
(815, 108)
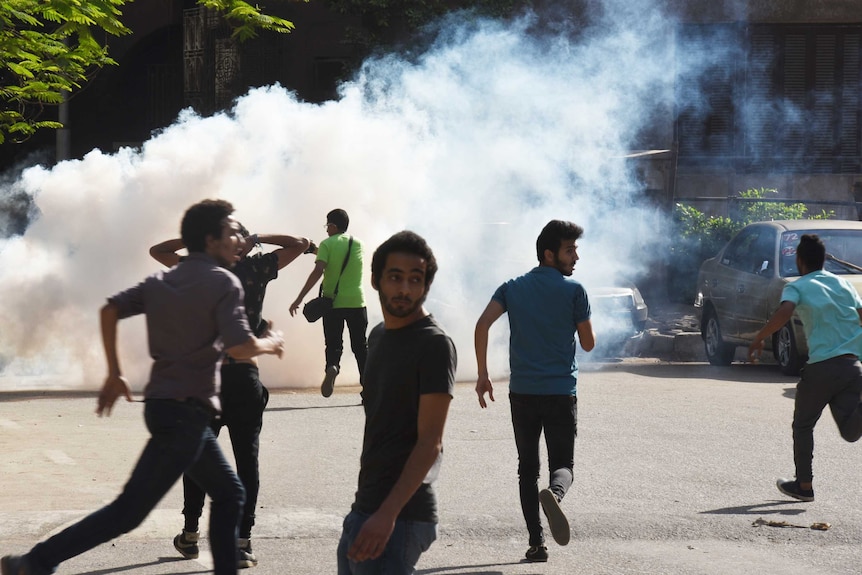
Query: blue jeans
(408, 541)
(243, 400)
(181, 440)
(557, 415)
(356, 319)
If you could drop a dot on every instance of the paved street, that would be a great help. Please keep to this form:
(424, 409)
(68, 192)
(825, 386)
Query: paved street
(674, 465)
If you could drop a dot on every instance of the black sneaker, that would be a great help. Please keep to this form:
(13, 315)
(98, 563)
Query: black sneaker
(15, 565)
(790, 487)
(557, 522)
(329, 380)
(187, 544)
(537, 554)
(246, 556)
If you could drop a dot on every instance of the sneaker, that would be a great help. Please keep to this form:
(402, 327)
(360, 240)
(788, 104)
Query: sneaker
(537, 554)
(15, 565)
(187, 544)
(246, 556)
(557, 522)
(329, 381)
(790, 487)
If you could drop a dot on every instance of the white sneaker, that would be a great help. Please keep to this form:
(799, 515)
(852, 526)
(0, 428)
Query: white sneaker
(245, 556)
(557, 522)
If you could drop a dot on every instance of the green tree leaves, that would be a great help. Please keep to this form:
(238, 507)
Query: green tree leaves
(50, 48)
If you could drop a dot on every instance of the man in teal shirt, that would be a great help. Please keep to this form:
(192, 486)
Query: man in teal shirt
(339, 262)
(547, 309)
(831, 314)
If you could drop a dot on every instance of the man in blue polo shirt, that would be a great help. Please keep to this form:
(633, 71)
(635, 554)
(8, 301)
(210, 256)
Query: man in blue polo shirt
(831, 312)
(546, 309)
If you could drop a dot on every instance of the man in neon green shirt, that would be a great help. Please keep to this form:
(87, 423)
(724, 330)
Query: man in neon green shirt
(831, 312)
(339, 262)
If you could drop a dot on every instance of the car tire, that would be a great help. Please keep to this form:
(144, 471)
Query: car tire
(717, 351)
(785, 352)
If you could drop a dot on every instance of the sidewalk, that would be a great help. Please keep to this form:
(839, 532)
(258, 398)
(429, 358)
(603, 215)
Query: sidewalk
(673, 333)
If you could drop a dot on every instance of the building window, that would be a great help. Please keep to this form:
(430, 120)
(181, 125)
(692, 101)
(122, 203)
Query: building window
(779, 98)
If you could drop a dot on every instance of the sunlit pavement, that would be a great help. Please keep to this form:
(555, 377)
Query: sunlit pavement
(675, 463)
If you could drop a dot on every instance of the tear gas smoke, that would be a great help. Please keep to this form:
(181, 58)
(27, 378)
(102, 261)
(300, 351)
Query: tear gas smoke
(474, 144)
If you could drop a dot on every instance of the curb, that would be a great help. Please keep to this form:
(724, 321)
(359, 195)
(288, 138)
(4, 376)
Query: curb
(678, 345)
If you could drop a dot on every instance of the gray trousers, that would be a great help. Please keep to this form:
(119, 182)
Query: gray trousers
(836, 382)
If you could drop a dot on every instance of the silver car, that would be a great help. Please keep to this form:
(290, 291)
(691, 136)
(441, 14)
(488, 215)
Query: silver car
(740, 288)
(619, 316)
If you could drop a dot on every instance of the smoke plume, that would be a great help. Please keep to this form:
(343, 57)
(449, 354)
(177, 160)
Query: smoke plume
(474, 144)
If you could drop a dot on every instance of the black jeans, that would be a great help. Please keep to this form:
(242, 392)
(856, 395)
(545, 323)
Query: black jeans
(243, 400)
(557, 415)
(356, 319)
(836, 382)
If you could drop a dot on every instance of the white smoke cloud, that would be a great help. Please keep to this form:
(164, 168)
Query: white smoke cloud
(475, 145)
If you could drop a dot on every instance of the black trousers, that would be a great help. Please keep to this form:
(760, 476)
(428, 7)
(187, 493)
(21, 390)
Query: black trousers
(835, 382)
(356, 319)
(557, 416)
(243, 400)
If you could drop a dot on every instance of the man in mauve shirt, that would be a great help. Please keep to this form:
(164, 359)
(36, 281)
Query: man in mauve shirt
(194, 314)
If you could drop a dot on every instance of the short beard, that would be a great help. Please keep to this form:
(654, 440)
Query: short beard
(402, 312)
(560, 268)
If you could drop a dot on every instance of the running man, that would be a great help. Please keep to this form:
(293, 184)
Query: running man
(831, 311)
(243, 396)
(546, 311)
(194, 314)
(339, 262)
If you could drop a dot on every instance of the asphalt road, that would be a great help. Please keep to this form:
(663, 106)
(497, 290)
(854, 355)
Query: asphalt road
(675, 465)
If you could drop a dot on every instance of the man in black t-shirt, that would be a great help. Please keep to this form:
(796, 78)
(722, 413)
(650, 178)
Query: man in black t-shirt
(408, 384)
(243, 396)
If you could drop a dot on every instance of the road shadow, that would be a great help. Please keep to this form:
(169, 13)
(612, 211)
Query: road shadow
(770, 507)
(159, 561)
(471, 569)
(304, 407)
(25, 395)
(737, 372)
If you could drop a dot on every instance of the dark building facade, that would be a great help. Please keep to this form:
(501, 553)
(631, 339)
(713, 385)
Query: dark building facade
(778, 103)
(182, 56)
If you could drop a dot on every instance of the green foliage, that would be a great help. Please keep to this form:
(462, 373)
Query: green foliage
(49, 48)
(247, 19)
(698, 237)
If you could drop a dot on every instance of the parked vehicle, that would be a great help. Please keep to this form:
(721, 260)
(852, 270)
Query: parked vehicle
(740, 288)
(619, 316)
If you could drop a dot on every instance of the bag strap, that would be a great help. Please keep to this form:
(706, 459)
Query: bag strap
(343, 267)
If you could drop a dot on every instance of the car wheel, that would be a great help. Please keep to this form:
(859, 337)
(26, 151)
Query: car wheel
(717, 351)
(785, 352)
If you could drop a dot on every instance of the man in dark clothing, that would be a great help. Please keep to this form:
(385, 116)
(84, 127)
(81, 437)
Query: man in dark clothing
(409, 380)
(194, 314)
(243, 396)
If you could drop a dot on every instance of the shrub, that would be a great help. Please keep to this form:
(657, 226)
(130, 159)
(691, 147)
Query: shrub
(697, 237)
